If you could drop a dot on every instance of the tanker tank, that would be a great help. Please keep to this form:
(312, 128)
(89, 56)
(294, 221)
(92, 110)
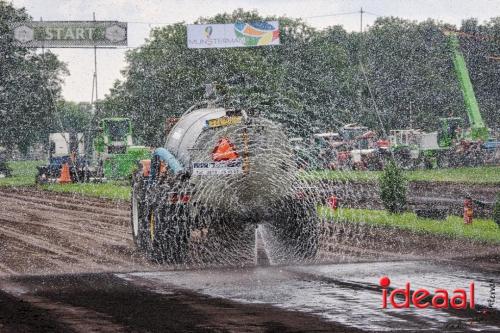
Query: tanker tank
(224, 172)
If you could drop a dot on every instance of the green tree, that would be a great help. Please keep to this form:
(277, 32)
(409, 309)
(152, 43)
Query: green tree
(410, 72)
(71, 117)
(29, 85)
(312, 82)
(291, 84)
(393, 185)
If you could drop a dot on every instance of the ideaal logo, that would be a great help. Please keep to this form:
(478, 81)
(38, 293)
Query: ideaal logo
(422, 298)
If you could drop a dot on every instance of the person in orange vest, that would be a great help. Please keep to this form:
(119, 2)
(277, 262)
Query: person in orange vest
(468, 211)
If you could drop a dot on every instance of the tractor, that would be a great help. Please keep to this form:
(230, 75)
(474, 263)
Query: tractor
(226, 172)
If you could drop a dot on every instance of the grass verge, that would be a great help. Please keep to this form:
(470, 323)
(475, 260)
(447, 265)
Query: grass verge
(453, 226)
(471, 175)
(24, 173)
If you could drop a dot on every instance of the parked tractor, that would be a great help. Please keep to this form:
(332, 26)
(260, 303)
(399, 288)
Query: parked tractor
(224, 172)
(115, 150)
(115, 156)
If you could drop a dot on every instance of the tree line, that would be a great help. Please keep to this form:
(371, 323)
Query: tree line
(397, 74)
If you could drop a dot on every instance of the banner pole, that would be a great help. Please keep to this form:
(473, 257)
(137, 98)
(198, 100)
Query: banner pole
(95, 66)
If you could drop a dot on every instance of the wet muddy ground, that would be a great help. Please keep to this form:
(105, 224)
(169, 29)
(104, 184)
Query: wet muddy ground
(67, 264)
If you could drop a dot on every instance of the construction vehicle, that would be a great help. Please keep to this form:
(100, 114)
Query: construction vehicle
(464, 146)
(451, 127)
(224, 172)
(114, 148)
(454, 144)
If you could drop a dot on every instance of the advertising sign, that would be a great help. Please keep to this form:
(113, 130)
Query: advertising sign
(237, 34)
(70, 33)
(217, 168)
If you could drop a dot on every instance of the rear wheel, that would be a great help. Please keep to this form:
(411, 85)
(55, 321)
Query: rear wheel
(296, 232)
(138, 210)
(160, 228)
(143, 217)
(171, 232)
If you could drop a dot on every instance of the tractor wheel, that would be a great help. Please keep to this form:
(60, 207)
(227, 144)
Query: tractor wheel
(146, 228)
(231, 241)
(296, 232)
(150, 235)
(138, 210)
(172, 232)
(159, 229)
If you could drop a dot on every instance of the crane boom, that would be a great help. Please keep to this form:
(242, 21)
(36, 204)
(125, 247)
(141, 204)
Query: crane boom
(478, 128)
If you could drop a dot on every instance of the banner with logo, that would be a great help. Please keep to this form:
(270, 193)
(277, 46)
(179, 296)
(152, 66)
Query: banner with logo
(237, 34)
(70, 33)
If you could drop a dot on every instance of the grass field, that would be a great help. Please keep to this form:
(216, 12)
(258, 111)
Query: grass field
(477, 175)
(453, 226)
(24, 172)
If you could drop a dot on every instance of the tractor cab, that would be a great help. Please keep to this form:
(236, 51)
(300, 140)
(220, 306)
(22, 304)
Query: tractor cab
(450, 130)
(116, 135)
(114, 147)
(353, 135)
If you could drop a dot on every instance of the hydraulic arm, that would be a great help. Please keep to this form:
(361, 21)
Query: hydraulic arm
(478, 129)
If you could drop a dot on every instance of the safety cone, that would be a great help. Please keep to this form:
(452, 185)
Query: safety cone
(65, 176)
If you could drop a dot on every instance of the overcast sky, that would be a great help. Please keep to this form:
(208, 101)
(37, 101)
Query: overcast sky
(143, 15)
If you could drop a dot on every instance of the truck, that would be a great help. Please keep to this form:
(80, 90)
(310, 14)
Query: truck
(226, 172)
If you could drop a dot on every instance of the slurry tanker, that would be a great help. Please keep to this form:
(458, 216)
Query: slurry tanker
(223, 172)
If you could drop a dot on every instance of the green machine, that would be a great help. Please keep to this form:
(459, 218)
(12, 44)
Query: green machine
(115, 150)
(452, 128)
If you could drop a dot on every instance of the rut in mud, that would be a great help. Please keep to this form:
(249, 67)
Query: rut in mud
(43, 232)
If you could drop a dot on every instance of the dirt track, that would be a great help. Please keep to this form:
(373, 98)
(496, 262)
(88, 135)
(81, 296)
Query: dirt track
(105, 303)
(43, 232)
(48, 233)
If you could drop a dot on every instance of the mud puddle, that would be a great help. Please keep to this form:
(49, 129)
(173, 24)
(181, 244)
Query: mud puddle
(346, 294)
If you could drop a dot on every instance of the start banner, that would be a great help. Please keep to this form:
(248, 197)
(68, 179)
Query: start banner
(70, 33)
(237, 34)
